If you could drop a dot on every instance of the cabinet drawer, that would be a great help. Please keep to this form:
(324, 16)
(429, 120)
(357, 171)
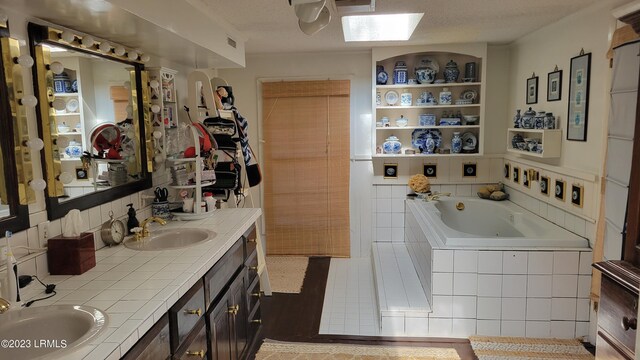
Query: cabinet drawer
(618, 310)
(185, 314)
(250, 237)
(255, 322)
(154, 345)
(217, 278)
(605, 349)
(195, 346)
(254, 294)
(252, 268)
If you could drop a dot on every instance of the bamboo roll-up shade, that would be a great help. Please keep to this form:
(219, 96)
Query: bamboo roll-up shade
(306, 174)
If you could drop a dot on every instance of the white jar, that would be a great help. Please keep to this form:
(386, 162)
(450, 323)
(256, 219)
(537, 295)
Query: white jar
(445, 97)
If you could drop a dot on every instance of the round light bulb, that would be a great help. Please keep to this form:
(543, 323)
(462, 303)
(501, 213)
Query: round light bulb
(88, 41)
(34, 144)
(157, 134)
(145, 58)
(155, 108)
(119, 50)
(59, 104)
(62, 142)
(24, 60)
(154, 84)
(132, 55)
(56, 67)
(105, 47)
(65, 177)
(67, 36)
(29, 100)
(38, 184)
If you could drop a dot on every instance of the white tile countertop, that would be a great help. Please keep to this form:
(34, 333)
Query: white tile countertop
(136, 288)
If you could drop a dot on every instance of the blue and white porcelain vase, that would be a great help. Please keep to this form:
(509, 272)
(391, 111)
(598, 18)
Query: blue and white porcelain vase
(516, 119)
(451, 72)
(539, 119)
(527, 120)
(456, 143)
(426, 72)
(392, 145)
(429, 144)
(550, 121)
(381, 75)
(445, 97)
(400, 73)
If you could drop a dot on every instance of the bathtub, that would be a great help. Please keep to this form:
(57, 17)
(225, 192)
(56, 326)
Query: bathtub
(489, 224)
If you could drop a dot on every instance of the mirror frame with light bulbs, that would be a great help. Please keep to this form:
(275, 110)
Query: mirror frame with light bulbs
(43, 86)
(13, 168)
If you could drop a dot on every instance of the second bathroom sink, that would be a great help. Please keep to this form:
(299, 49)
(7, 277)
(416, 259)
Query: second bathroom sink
(167, 239)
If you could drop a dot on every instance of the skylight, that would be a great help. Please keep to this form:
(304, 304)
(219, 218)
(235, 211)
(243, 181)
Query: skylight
(389, 27)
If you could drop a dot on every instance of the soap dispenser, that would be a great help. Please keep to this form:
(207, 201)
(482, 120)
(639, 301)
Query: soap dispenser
(132, 222)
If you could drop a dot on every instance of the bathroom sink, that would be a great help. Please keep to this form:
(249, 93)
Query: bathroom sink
(48, 332)
(167, 239)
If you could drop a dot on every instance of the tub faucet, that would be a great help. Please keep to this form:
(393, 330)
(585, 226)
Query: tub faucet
(145, 230)
(4, 305)
(436, 196)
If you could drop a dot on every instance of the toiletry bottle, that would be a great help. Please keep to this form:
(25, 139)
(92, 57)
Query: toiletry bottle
(132, 222)
(12, 292)
(211, 202)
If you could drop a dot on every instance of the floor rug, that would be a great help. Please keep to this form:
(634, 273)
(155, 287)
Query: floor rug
(516, 348)
(286, 273)
(276, 350)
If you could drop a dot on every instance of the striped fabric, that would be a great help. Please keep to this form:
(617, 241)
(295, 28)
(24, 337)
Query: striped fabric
(243, 126)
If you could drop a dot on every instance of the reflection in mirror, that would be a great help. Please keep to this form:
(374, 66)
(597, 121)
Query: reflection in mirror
(93, 114)
(96, 139)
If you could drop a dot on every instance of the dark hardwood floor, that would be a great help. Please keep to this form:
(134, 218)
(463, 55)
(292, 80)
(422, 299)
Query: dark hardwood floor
(296, 318)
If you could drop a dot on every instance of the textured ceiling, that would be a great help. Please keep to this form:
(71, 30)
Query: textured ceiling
(271, 25)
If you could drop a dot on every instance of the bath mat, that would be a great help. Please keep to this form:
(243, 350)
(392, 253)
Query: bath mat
(276, 350)
(516, 348)
(286, 273)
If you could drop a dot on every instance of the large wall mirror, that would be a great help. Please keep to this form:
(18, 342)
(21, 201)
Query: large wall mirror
(93, 113)
(15, 160)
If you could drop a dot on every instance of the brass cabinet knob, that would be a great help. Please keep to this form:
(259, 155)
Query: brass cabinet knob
(256, 294)
(629, 323)
(253, 268)
(193, 312)
(251, 240)
(199, 354)
(233, 310)
(256, 321)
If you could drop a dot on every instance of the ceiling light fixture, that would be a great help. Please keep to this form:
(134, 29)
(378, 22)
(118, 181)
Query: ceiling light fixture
(388, 27)
(313, 15)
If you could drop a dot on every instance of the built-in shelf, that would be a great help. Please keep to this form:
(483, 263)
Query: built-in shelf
(65, 94)
(429, 106)
(68, 114)
(428, 127)
(70, 134)
(417, 86)
(396, 156)
(551, 140)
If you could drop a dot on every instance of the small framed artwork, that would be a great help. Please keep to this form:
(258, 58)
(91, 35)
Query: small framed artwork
(430, 170)
(578, 114)
(544, 185)
(516, 175)
(82, 174)
(390, 171)
(532, 90)
(560, 189)
(525, 179)
(577, 195)
(507, 171)
(554, 85)
(469, 170)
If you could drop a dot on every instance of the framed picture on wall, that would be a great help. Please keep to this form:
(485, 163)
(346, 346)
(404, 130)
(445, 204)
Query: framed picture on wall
(532, 90)
(554, 85)
(578, 113)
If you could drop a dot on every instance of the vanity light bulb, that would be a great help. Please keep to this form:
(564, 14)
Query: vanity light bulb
(65, 177)
(67, 36)
(38, 184)
(154, 84)
(29, 100)
(35, 144)
(145, 58)
(105, 47)
(25, 61)
(88, 41)
(56, 67)
(157, 134)
(155, 108)
(59, 104)
(119, 50)
(132, 55)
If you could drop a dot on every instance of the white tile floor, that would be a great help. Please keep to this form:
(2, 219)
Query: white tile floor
(350, 301)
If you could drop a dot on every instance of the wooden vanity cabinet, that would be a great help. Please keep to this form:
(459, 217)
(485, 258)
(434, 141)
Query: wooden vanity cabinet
(154, 345)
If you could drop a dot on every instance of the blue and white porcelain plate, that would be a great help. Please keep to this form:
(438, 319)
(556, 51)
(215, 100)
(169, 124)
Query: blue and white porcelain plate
(391, 97)
(419, 136)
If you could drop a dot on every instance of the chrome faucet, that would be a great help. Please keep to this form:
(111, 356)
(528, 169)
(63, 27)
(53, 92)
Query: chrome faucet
(436, 196)
(4, 305)
(145, 230)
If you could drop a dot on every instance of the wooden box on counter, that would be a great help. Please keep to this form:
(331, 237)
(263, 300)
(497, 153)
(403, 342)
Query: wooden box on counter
(71, 255)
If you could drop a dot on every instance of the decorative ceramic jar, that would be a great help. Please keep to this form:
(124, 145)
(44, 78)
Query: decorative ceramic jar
(445, 97)
(456, 143)
(517, 120)
(392, 145)
(400, 73)
(517, 138)
(401, 122)
(527, 119)
(550, 121)
(384, 121)
(74, 149)
(429, 144)
(61, 83)
(538, 120)
(451, 72)
(381, 75)
(426, 72)
(406, 99)
(427, 120)
(469, 72)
